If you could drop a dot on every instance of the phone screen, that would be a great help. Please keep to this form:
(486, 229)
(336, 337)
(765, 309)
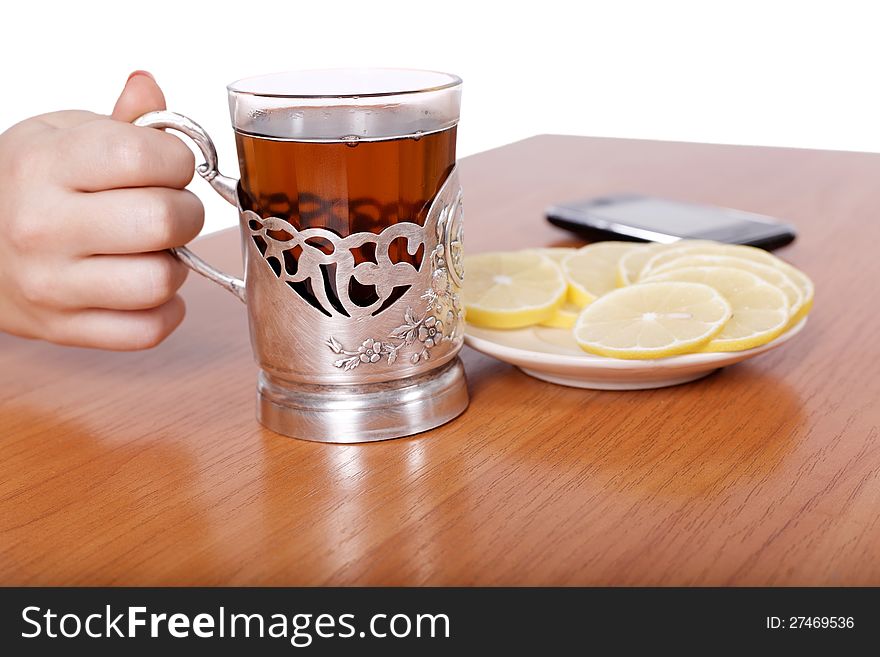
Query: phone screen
(668, 217)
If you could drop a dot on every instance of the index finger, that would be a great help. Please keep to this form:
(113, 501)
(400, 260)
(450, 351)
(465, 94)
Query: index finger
(107, 154)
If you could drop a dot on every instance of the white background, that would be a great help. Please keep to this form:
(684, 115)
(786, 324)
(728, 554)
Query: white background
(772, 72)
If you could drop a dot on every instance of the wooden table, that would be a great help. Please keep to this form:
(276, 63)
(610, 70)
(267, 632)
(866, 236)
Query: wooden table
(150, 468)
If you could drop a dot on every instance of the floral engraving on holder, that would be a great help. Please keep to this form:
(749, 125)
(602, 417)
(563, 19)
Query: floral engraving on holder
(427, 331)
(439, 322)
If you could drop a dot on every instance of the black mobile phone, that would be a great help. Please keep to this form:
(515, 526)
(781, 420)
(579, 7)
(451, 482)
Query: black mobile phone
(650, 219)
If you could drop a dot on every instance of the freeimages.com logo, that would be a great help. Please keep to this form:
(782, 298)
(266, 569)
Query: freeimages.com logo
(300, 629)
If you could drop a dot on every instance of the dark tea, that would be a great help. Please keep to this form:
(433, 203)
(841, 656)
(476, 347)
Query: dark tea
(344, 186)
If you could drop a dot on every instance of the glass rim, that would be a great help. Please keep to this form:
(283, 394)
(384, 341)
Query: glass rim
(452, 81)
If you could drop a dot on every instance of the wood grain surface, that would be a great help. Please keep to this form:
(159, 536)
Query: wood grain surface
(149, 468)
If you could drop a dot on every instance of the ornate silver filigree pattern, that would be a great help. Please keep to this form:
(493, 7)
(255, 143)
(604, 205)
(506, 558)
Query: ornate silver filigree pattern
(443, 315)
(384, 273)
(414, 316)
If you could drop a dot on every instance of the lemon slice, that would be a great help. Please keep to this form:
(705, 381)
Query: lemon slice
(630, 264)
(512, 290)
(773, 275)
(592, 270)
(657, 263)
(564, 317)
(804, 285)
(556, 253)
(652, 320)
(760, 310)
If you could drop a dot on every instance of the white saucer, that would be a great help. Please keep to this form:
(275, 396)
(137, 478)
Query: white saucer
(551, 354)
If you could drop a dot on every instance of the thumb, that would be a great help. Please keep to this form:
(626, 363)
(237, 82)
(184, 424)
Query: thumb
(140, 95)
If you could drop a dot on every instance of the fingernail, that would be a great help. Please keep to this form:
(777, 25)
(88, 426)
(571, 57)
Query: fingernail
(139, 72)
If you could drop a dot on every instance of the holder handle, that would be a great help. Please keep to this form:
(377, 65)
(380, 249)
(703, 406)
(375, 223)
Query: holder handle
(223, 185)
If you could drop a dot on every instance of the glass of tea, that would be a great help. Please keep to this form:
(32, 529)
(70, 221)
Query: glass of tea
(351, 223)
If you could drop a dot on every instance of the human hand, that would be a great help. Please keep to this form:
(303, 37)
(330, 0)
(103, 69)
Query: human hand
(89, 205)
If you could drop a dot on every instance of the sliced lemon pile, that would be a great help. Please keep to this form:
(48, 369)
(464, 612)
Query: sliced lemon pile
(557, 253)
(592, 270)
(662, 259)
(773, 275)
(512, 290)
(759, 309)
(629, 300)
(564, 317)
(804, 285)
(652, 320)
(631, 263)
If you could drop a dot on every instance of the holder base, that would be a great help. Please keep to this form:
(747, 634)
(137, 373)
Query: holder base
(363, 413)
